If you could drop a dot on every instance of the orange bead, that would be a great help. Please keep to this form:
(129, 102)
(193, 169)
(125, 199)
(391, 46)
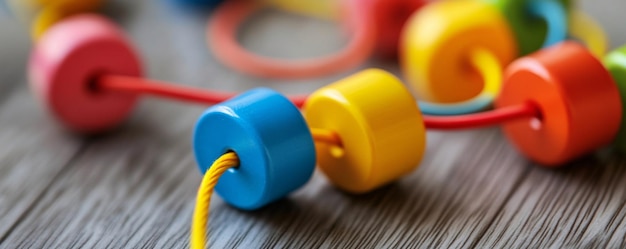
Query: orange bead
(579, 101)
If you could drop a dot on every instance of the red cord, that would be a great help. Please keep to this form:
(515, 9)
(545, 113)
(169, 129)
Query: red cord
(210, 97)
(488, 118)
(185, 93)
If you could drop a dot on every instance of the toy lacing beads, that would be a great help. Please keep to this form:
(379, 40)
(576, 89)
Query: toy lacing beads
(368, 127)
(548, 108)
(87, 75)
(42, 14)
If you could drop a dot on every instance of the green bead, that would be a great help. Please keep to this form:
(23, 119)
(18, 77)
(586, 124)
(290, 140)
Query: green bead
(615, 62)
(530, 32)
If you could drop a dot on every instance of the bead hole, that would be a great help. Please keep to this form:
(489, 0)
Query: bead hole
(537, 122)
(236, 168)
(92, 85)
(337, 151)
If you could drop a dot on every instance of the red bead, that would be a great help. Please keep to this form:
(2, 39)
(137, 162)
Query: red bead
(67, 61)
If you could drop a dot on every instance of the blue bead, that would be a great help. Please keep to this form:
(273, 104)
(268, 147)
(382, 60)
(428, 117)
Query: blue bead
(271, 138)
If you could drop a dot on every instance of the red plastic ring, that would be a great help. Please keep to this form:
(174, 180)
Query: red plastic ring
(222, 32)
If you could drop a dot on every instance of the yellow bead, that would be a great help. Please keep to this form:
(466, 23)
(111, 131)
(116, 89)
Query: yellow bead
(53, 11)
(381, 129)
(44, 20)
(436, 45)
(74, 5)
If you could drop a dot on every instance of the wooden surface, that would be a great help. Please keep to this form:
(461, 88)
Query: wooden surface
(135, 187)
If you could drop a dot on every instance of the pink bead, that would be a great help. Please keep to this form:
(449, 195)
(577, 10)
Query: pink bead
(65, 64)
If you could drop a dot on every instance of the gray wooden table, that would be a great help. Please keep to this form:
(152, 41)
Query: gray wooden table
(135, 187)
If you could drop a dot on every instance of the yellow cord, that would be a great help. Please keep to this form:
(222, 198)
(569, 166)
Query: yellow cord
(205, 191)
(203, 200)
(586, 29)
(325, 136)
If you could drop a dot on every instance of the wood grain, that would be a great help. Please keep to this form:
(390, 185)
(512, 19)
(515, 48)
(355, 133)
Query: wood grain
(135, 187)
(578, 207)
(32, 153)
